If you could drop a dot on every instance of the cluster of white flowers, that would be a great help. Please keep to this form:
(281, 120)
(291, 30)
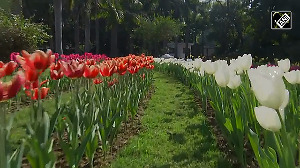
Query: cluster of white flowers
(266, 82)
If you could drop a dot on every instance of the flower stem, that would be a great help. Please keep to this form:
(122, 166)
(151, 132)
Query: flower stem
(290, 162)
(3, 162)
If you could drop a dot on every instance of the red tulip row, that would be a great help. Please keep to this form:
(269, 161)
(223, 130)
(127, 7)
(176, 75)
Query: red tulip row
(33, 65)
(97, 57)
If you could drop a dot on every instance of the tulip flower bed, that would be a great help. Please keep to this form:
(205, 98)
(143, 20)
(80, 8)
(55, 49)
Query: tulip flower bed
(103, 95)
(256, 107)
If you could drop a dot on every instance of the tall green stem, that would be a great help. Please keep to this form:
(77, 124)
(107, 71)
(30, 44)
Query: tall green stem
(290, 159)
(3, 162)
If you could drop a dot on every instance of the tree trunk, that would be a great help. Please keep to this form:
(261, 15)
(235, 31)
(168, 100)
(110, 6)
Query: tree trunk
(97, 36)
(114, 41)
(16, 7)
(76, 35)
(186, 39)
(130, 45)
(51, 43)
(25, 10)
(165, 48)
(58, 25)
(87, 29)
(176, 47)
(202, 32)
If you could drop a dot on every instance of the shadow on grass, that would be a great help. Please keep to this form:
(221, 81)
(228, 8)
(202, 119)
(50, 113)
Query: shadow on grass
(203, 149)
(167, 120)
(177, 138)
(195, 110)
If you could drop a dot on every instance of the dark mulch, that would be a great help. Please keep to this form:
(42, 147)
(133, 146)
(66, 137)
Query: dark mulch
(221, 141)
(25, 102)
(128, 129)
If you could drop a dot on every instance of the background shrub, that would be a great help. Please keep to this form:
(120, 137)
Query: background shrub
(17, 33)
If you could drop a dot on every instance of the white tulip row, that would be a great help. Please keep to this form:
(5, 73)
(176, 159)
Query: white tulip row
(266, 82)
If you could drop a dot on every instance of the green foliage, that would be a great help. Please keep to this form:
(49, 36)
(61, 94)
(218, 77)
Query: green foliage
(160, 29)
(240, 27)
(5, 5)
(19, 34)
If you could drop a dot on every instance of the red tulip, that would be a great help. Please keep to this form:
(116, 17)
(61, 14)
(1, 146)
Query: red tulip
(133, 69)
(143, 76)
(90, 62)
(1, 64)
(56, 71)
(114, 81)
(7, 69)
(10, 89)
(32, 85)
(106, 69)
(150, 66)
(97, 81)
(38, 61)
(91, 71)
(31, 74)
(34, 93)
(73, 69)
(122, 68)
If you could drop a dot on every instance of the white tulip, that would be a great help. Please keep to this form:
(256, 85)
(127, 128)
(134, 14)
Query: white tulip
(298, 77)
(285, 65)
(239, 71)
(286, 99)
(291, 77)
(245, 62)
(222, 75)
(198, 63)
(268, 118)
(233, 65)
(268, 86)
(221, 63)
(210, 67)
(201, 71)
(234, 81)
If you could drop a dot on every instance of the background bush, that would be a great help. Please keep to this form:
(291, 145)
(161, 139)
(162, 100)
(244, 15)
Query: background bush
(17, 33)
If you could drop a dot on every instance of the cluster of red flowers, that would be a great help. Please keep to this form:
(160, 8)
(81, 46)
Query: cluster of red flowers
(97, 57)
(33, 65)
(10, 89)
(90, 69)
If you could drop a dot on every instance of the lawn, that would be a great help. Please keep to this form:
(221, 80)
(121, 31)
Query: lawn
(175, 132)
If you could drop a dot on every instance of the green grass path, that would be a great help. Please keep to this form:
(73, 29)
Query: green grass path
(175, 132)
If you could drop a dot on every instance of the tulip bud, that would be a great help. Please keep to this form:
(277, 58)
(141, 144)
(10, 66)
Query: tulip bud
(291, 77)
(198, 63)
(298, 77)
(234, 81)
(210, 67)
(245, 62)
(268, 118)
(222, 75)
(284, 65)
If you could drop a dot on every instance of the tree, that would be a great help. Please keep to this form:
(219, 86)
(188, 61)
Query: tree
(112, 11)
(153, 32)
(58, 25)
